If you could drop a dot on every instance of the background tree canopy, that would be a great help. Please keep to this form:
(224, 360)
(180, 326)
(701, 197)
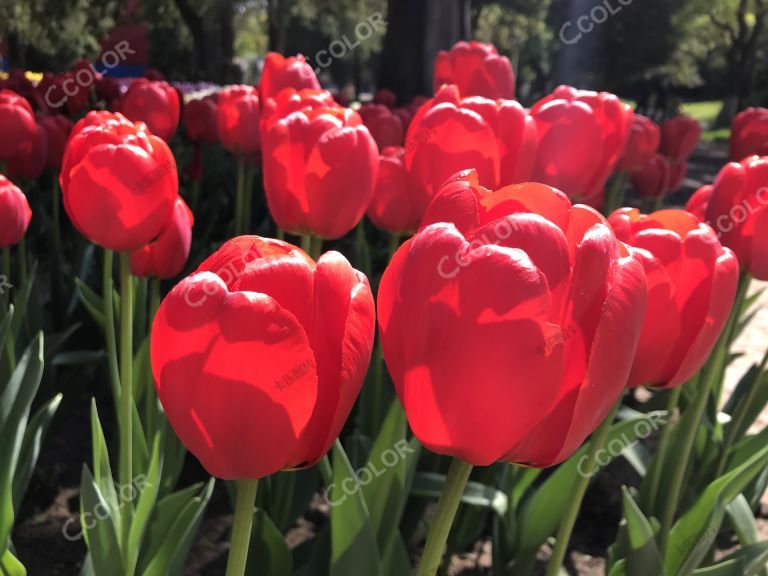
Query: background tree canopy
(713, 49)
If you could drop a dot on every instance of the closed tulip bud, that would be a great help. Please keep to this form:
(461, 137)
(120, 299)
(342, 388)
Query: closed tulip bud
(385, 97)
(477, 69)
(17, 124)
(119, 182)
(679, 137)
(319, 171)
(749, 134)
(166, 255)
(582, 137)
(385, 126)
(238, 119)
(691, 287)
(281, 72)
(15, 213)
(644, 140)
(736, 206)
(510, 287)
(448, 134)
(30, 159)
(654, 179)
(200, 120)
(154, 103)
(262, 343)
(291, 100)
(57, 129)
(393, 207)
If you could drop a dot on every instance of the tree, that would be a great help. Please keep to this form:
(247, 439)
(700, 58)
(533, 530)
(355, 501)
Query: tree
(742, 25)
(416, 31)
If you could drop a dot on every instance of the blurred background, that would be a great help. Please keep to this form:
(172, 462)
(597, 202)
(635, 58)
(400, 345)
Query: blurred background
(711, 53)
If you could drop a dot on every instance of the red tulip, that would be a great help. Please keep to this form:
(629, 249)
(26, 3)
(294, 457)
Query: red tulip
(385, 126)
(108, 88)
(736, 206)
(166, 255)
(119, 181)
(291, 100)
(319, 171)
(238, 119)
(15, 213)
(17, 124)
(496, 137)
(509, 288)
(393, 207)
(477, 69)
(691, 286)
(200, 120)
(654, 179)
(583, 135)
(30, 159)
(57, 129)
(385, 97)
(154, 103)
(262, 343)
(749, 134)
(679, 137)
(644, 140)
(281, 72)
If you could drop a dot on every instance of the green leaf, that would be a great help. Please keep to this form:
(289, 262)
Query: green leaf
(693, 534)
(643, 556)
(5, 326)
(92, 302)
(141, 371)
(391, 466)
(31, 445)
(176, 542)
(144, 504)
(430, 485)
(99, 526)
(15, 402)
(396, 559)
(747, 561)
(165, 513)
(542, 512)
(268, 554)
(57, 340)
(743, 521)
(10, 566)
(102, 469)
(21, 302)
(76, 357)
(354, 549)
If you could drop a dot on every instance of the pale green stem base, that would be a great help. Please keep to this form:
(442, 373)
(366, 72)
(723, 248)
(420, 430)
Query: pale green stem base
(241, 531)
(456, 481)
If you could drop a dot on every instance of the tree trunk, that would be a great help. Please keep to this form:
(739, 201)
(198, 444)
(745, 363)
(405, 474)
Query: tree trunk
(194, 23)
(416, 31)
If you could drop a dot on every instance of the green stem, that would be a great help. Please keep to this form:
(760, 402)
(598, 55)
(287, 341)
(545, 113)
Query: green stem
(126, 389)
(109, 327)
(739, 415)
(241, 531)
(565, 529)
(56, 216)
(440, 527)
(151, 392)
(326, 470)
(614, 197)
(363, 251)
(248, 198)
(22, 256)
(661, 453)
(708, 377)
(5, 280)
(316, 248)
(240, 196)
